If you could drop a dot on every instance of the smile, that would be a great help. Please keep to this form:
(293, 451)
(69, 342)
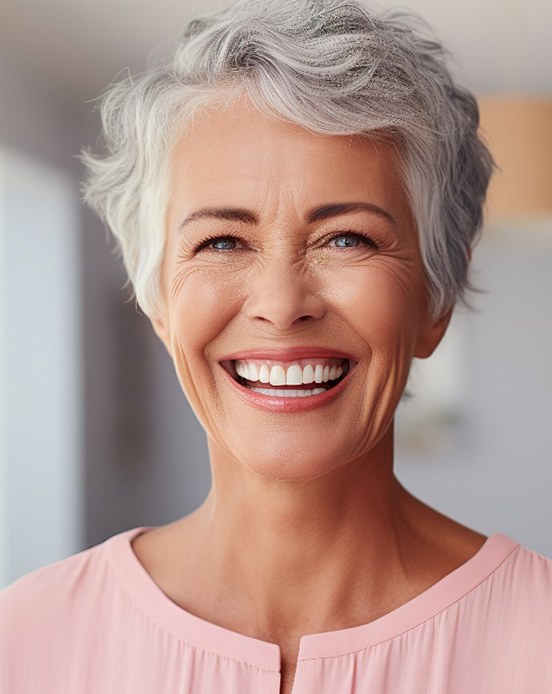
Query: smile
(265, 384)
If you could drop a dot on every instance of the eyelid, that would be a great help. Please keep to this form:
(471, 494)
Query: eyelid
(363, 237)
(368, 239)
(201, 245)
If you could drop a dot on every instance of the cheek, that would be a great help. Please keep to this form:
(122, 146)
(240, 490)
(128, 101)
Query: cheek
(382, 303)
(384, 311)
(202, 305)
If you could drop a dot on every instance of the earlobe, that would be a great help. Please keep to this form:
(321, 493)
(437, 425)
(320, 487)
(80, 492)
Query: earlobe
(429, 340)
(162, 332)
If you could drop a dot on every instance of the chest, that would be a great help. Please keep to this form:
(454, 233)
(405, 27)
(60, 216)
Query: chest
(287, 677)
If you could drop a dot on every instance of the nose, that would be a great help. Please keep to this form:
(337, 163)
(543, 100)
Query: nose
(284, 295)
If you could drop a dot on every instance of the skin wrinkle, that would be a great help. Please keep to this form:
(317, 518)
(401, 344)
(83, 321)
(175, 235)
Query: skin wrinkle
(396, 78)
(305, 528)
(281, 255)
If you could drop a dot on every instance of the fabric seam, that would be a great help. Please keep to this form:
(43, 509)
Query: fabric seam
(424, 621)
(120, 582)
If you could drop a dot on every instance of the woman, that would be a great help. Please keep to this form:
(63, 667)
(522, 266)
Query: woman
(296, 194)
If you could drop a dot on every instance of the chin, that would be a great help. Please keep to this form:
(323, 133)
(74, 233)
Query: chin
(301, 464)
(290, 470)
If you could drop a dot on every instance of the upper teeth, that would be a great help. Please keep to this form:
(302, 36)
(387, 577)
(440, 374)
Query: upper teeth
(293, 374)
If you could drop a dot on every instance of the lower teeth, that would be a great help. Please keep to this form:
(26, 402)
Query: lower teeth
(288, 393)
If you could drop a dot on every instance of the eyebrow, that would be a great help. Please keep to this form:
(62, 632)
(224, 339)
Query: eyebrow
(335, 209)
(233, 214)
(238, 214)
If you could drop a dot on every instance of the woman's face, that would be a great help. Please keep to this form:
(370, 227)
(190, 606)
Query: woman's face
(287, 271)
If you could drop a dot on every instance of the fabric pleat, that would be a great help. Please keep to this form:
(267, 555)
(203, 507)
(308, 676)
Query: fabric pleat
(96, 623)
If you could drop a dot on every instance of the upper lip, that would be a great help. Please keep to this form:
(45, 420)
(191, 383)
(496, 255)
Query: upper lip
(289, 353)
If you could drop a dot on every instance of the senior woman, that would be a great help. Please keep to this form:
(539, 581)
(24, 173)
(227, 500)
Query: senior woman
(296, 194)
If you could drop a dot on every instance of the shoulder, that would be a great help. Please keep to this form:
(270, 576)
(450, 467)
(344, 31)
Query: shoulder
(506, 625)
(524, 568)
(49, 588)
(517, 596)
(42, 612)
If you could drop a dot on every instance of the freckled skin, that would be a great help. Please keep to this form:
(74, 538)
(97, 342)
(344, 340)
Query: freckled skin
(305, 528)
(290, 285)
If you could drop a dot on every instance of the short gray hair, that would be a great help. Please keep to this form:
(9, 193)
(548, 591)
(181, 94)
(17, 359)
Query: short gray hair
(332, 66)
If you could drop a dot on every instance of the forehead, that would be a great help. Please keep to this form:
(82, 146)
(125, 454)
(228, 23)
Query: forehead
(238, 151)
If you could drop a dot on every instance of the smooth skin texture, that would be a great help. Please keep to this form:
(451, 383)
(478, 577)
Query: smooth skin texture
(305, 529)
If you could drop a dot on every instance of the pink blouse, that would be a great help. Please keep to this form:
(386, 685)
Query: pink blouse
(96, 623)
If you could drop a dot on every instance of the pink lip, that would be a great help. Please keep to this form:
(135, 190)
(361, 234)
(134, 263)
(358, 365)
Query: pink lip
(289, 354)
(280, 404)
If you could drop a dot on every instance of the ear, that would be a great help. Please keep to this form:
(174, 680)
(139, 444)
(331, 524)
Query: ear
(432, 335)
(162, 331)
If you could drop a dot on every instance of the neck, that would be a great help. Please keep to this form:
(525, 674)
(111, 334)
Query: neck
(316, 553)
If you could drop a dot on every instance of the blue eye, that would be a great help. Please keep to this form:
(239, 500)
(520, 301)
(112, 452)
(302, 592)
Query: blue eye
(358, 240)
(227, 243)
(213, 240)
(352, 240)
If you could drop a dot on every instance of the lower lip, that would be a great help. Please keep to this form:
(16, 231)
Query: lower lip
(286, 404)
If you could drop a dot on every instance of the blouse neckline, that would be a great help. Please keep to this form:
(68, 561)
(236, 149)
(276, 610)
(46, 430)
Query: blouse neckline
(199, 633)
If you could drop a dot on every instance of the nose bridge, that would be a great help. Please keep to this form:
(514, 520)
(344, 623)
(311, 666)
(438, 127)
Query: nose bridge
(283, 290)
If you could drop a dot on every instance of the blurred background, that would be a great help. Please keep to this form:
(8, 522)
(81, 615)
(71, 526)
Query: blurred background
(95, 435)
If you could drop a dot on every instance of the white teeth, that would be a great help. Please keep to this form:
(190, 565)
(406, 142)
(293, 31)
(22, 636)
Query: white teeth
(264, 373)
(277, 376)
(319, 373)
(289, 393)
(244, 369)
(308, 374)
(293, 376)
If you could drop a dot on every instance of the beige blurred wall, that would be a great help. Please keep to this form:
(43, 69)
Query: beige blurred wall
(519, 132)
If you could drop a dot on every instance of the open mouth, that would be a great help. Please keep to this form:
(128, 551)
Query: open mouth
(274, 380)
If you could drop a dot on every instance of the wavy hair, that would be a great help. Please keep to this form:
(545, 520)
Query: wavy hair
(334, 67)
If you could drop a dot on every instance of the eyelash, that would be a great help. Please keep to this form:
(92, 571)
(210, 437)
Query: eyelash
(355, 234)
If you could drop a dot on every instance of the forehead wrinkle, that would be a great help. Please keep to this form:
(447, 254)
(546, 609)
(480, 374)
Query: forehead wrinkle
(277, 206)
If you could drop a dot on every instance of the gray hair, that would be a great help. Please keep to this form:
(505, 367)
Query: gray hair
(332, 66)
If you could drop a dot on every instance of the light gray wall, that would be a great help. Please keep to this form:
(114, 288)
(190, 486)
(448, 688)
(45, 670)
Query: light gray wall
(40, 451)
(498, 476)
(40, 442)
(35, 119)
(146, 457)
(131, 472)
